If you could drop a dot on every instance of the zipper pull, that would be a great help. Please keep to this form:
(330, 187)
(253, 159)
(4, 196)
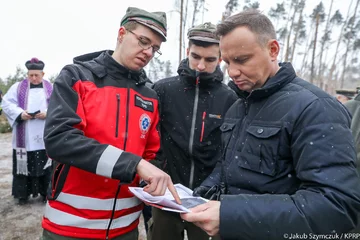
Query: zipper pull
(203, 126)
(197, 75)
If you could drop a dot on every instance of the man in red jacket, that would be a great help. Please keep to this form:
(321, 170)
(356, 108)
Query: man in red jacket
(100, 131)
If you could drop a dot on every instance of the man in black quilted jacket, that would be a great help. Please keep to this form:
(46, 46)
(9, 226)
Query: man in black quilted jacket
(289, 157)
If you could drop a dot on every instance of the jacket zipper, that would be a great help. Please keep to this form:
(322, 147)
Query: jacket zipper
(117, 115)
(192, 131)
(202, 127)
(126, 135)
(113, 212)
(127, 115)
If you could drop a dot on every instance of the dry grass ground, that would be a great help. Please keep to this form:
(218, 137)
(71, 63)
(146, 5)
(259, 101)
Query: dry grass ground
(20, 222)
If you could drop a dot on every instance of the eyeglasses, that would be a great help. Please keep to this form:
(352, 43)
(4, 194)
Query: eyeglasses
(145, 44)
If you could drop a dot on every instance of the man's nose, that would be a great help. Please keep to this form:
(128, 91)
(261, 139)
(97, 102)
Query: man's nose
(201, 65)
(233, 73)
(149, 52)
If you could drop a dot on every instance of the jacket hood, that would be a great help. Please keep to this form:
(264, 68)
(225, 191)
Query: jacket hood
(102, 63)
(285, 75)
(190, 75)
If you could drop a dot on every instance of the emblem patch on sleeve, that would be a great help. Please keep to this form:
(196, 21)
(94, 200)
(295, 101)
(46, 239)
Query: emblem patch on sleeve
(144, 104)
(144, 124)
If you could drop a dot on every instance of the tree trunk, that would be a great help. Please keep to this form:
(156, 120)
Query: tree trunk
(184, 27)
(333, 65)
(297, 33)
(181, 29)
(307, 50)
(348, 46)
(321, 71)
(196, 3)
(287, 53)
(312, 75)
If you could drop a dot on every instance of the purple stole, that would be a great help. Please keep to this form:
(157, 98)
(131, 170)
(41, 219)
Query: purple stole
(21, 155)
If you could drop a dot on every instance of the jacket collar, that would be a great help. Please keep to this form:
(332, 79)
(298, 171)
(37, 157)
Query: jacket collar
(102, 63)
(206, 79)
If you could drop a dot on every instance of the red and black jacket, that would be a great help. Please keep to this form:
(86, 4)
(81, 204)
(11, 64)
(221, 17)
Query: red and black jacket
(101, 121)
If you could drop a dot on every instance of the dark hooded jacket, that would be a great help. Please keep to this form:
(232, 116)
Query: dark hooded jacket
(192, 108)
(289, 163)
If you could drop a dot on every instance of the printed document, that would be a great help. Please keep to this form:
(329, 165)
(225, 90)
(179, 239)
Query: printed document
(167, 202)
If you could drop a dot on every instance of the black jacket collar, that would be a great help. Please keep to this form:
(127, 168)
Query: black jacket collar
(206, 79)
(102, 63)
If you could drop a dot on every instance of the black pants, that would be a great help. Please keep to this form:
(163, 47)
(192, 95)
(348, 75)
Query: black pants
(37, 181)
(147, 216)
(133, 235)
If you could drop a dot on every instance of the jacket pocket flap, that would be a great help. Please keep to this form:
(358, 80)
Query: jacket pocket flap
(263, 132)
(227, 127)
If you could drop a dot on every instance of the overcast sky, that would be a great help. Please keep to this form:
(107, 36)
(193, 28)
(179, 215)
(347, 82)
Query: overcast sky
(57, 31)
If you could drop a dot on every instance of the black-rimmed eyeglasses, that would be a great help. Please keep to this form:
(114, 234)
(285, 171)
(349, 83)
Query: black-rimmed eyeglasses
(145, 44)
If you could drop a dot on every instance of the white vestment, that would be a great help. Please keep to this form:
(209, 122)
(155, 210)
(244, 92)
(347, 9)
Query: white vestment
(34, 128)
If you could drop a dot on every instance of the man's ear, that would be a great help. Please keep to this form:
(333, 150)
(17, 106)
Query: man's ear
(43, 73)
(187, 52)
(121, 33)
(274, 49)
(220, 59)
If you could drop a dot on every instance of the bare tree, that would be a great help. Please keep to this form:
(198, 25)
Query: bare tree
(324, 40)
(299, 29)
(349, 38)
(318, 16)
(181, 30)
(333, 65)
(294, 4)
(230, 6)
(277, 13)
(251, 5)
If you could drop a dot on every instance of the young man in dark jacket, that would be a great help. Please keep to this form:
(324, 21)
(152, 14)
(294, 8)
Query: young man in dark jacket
(192, 107)
(289, 155)
(101, 130)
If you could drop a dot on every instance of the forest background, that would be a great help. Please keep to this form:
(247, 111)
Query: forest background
(323, 42)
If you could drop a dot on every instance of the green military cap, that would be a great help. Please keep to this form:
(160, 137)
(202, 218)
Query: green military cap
(349, 93)
(154, 20)
(204, 32)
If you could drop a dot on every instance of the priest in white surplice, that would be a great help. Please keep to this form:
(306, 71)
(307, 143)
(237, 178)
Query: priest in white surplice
(25, 106)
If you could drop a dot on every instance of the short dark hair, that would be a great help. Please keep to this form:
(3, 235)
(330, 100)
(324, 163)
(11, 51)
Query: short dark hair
(202, 44)
(130, 25)
(254, 20)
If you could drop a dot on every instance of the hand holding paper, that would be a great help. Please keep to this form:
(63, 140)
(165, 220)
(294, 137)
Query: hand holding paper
(167, 201)
(158, 181)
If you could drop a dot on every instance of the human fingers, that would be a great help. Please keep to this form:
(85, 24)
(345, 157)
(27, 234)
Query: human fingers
(195, 217)
(200, 208)
(173, 191)
(151, 186)
(158, 189)
(25, 116)
(40, 115)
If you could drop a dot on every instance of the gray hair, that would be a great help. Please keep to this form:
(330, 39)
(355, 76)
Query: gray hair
(254, 20)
